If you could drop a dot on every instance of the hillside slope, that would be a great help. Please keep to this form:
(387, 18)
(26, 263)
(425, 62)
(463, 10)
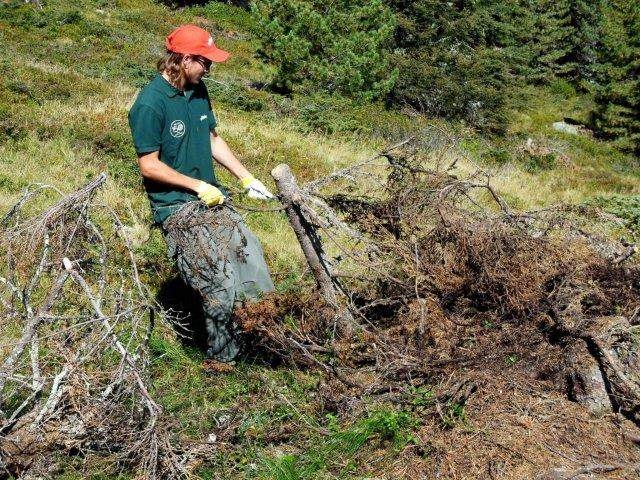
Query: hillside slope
(71, 72)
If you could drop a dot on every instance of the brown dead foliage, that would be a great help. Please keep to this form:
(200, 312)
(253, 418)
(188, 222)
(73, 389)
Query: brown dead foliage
(506, 315)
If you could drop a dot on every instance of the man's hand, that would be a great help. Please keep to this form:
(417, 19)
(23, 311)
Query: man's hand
(256, 189)
(209, 194)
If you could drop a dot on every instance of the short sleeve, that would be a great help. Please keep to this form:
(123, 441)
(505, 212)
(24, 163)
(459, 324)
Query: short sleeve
(146, 128)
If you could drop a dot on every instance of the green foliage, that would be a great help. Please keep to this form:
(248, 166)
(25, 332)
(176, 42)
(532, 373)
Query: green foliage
(328, 114)
(564, 41)
(69, 21)
(455, 67)
(584, 41)
(497, 156)
(238, 96)
(336, 47)
(11, 127)
(550, 44)
(562, 88)
(536, 163)
(343, 444)
(422, 397)
(511, 360)
(10, 184)
(452, 414)
(617, 116)
(626, 207)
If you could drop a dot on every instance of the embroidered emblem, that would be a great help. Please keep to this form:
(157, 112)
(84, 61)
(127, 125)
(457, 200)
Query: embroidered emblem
(177, 128)
(209, 42)
(203, 117)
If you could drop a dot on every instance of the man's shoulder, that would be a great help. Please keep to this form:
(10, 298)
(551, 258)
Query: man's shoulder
(153, 94)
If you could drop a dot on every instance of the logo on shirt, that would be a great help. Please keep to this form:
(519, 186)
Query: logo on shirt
(203, 117)
(177, 128)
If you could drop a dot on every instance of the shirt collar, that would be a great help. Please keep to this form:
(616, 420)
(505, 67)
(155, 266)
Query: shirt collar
(165, 87)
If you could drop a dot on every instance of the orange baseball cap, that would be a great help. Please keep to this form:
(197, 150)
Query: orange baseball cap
(193, 40)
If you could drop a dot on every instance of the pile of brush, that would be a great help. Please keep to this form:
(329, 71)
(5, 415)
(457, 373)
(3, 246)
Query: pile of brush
(454, 290)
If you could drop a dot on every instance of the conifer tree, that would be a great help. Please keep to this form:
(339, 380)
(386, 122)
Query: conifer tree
(336, 47)
(617, 116)
(452, 58)
(583, 41)
(551, 40)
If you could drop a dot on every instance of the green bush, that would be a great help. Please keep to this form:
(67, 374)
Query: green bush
(238, 96)
(539, 163)
(562, 88)
(626, 207)
(337, 47)
(457, 67)
(497, 156)
(328, 114)
(11, 101)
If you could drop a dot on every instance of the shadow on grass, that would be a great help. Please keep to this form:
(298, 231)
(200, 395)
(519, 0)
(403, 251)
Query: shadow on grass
(178, 298)
(175, 296)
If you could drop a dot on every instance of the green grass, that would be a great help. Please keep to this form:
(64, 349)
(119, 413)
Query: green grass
(626, 207)
(338, 455)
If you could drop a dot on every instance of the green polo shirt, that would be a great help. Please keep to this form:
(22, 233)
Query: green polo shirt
(177, 125)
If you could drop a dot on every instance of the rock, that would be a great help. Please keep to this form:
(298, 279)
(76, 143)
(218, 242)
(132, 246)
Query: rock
(566, 128)
(586, 383)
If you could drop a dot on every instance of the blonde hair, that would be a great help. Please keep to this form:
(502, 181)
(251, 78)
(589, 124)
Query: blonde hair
(171, 64)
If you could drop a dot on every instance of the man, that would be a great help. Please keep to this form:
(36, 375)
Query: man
(174, 132)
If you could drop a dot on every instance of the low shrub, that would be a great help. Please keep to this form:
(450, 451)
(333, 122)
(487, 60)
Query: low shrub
(626, 207)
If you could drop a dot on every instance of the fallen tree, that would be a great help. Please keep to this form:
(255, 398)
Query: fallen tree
(453, 289)
(435, 296)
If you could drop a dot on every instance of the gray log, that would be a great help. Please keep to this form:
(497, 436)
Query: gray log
(310, 243)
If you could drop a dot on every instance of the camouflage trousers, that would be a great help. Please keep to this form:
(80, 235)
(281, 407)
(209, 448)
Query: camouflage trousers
(222, 260)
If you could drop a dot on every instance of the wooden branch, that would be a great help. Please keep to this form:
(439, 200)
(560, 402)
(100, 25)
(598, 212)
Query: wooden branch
(31, 327)
(562, 474)
(152, 406)
(310, 244)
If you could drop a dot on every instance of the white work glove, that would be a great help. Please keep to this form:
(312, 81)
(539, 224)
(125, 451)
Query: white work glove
(209, 194)
(255, 188)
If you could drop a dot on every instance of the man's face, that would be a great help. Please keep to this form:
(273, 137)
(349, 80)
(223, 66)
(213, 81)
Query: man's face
(195, 67)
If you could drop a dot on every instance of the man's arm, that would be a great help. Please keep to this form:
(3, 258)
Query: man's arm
(152, 168)
(225, 157)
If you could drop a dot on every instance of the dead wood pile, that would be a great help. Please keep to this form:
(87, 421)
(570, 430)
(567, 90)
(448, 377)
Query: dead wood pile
(75, 322)
(455, 290)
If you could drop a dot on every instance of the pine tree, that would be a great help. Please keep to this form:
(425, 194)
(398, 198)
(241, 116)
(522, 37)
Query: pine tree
(334, 47)
(583, 41)
(453, 61)
(551, 40)
(617, 116)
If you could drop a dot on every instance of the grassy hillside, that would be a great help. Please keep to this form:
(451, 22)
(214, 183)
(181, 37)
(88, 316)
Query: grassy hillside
(72, 69)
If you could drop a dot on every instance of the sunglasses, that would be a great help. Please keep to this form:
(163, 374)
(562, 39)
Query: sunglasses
(204, 62)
